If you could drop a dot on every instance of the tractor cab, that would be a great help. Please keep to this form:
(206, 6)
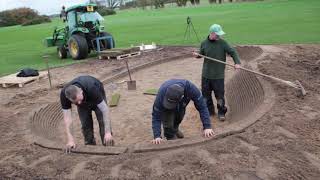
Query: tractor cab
(84, 17)
(82, 33)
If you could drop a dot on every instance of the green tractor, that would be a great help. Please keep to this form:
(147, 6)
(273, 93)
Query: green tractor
(82, 34)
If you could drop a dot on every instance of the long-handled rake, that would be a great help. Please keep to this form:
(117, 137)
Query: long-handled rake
(296, 85)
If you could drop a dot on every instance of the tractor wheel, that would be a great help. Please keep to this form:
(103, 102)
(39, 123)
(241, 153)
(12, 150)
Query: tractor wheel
(62, 52)
(78, 47)
(107, 43)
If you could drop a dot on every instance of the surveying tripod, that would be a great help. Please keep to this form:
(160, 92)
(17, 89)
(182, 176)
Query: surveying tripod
(188, 30)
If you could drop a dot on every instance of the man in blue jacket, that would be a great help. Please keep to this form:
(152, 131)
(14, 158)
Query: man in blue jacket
(169, 108)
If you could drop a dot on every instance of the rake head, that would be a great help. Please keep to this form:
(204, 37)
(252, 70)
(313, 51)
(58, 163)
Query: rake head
(302, 91)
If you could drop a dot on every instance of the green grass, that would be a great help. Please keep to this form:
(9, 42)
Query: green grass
(265, 22)
(151, 91)
(114, 100)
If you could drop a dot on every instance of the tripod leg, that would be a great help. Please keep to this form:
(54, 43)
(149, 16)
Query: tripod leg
(185, 33)
(195, 32)
(188, 31)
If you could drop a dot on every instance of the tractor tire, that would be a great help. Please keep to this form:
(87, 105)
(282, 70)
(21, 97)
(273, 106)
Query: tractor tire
(106, 43)
(62, 52)
(78, 47)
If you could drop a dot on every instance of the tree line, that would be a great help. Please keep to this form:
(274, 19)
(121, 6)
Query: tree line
(27, 16)
(112, 4)
(21, 16)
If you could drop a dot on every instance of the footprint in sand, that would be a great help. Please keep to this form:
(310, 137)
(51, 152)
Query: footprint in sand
(206, 156)
(77, 169)
(248, 145)
(39, 161)
(6, 158)
(115, 170)
(80, 168)
(242, 176)
(286, 133)
(265, 169)
(188, 177)
(315, 161)
(156, 167)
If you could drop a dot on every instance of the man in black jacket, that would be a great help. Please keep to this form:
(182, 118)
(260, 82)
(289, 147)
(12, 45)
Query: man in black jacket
(88, 94)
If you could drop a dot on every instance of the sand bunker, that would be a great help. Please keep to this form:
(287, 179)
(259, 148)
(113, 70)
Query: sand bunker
(247, 96)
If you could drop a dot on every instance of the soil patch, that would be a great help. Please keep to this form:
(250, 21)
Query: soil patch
(283, 144)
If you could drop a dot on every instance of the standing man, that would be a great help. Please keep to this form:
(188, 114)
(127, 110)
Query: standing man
(88, 94)
(213, 72)
(63, 14)
(169, 108)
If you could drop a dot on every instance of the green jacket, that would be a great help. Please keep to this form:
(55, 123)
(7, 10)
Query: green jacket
(216, 49)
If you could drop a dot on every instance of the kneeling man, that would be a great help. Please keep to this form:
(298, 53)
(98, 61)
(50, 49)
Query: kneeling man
(169, 108)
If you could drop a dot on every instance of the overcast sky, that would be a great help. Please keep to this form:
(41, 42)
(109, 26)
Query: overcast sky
(42, 6)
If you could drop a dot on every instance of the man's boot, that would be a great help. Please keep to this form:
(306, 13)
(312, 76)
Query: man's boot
(222, 114)
(222, 110)
(88, 137)
(179, 134)
(90, 142)
(221, 117)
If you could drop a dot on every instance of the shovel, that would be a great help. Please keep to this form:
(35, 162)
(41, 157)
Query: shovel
(132, 83)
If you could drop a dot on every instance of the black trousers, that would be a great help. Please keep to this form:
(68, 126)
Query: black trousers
(217, 86)
(171, 121)
(85, 115)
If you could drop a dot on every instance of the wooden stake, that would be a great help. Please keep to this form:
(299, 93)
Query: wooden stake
(48, 69)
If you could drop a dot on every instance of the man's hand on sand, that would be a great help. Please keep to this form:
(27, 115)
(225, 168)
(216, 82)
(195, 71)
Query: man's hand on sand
(195, 54)
(157, 141)
(70, 145)
(208, 133)
(108, 139)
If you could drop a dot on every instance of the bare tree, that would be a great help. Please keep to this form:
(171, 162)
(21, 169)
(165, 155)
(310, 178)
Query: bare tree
(121, 2)
(215, 1)
(112, 4)
(158, 3)
(143, 3)
(181, 2)
(98, 2)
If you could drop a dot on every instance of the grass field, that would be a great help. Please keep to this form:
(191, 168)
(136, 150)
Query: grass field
(263, 22)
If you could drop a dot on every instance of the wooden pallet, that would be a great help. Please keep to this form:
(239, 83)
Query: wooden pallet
(119, 56)
(120, 50)
(12, 79)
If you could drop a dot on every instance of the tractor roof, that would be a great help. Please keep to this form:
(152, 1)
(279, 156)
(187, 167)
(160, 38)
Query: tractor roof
(80, 6)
